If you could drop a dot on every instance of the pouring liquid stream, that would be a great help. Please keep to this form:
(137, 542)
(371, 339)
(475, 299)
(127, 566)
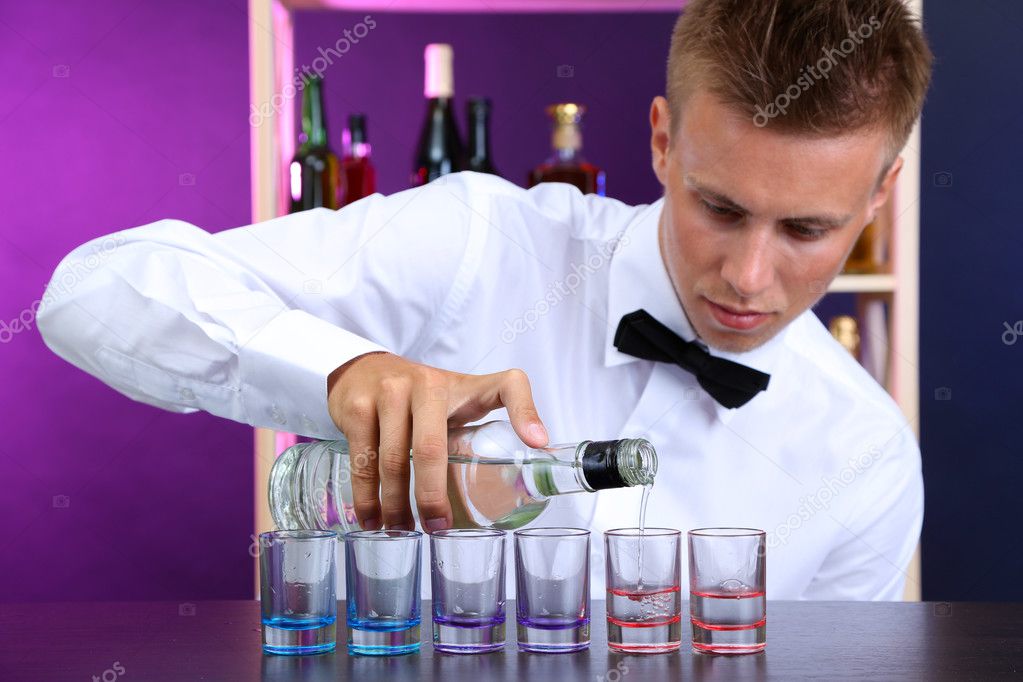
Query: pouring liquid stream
(642, 526)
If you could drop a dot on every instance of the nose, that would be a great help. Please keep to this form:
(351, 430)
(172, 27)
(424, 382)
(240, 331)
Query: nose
(749, 264)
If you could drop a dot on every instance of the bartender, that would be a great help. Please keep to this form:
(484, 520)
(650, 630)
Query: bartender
(577, 316)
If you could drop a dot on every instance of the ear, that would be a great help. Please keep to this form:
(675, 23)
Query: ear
(660, 138)
(885, 187)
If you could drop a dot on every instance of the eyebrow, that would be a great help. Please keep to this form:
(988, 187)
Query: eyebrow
(828, 220)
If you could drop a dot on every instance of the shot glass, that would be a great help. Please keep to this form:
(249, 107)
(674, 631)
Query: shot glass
(382, 590)
(467, 574)
(644, 598)
(727, 590)
(296, 589)
(552, 589)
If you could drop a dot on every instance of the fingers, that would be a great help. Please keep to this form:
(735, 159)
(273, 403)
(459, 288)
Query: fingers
(395, 469)
(360, 427)
(430, 452)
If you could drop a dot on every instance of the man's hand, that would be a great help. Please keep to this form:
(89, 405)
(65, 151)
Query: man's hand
(386, 405)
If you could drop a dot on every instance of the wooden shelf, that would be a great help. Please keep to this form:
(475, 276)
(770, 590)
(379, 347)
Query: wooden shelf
(863, 284)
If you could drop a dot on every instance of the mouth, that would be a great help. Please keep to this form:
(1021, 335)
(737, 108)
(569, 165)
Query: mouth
(737, 319)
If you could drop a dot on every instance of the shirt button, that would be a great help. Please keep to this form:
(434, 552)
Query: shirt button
(187, 394)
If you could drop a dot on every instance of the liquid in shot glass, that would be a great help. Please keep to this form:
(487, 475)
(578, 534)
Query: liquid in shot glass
(727, 590)
(644, 600)
(552, 589)
(382, 591)
(297, 599)
(467, 573)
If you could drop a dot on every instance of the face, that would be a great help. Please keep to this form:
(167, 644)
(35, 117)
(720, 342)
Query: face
(756, 223)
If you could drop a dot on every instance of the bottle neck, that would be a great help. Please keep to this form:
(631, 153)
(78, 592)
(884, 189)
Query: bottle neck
(618, 463)
(354, 142)
(595, 465)
(567, 141)
(314, 122)
(479, 134)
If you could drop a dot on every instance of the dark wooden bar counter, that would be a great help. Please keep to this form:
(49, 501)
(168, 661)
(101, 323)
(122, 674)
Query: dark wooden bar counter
(220, 640)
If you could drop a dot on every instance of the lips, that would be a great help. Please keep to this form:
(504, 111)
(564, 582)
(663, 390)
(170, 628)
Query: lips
(737, 319)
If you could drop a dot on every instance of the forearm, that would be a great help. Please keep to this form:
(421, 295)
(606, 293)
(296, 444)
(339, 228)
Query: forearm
(160, 314)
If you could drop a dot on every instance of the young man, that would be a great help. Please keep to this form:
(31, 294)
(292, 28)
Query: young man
(400, 316)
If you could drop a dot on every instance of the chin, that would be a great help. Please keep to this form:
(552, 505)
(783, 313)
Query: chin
(735, 342)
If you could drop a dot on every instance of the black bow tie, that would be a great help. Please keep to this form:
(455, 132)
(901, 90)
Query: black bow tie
(729, 383)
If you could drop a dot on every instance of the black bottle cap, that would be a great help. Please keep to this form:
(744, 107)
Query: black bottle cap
(600, 465)
(357, 128)
(478, 106)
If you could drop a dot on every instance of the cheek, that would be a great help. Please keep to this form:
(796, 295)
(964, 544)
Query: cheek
(692, 243)
(807, 273)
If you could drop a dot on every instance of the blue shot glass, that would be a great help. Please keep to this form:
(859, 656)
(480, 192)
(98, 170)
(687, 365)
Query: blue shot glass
(552, 589)
(297, 597)
(382, 588)
(467, 573)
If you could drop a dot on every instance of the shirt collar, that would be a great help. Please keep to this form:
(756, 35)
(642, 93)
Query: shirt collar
(638, 279)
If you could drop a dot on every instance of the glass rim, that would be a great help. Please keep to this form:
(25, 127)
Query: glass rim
(652, 531)
(727, 532)
(297, 534)
(383, 534)
(552, 532)
(462, 533)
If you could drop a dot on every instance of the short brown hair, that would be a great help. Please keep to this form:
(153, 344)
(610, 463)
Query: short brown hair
(804, 66)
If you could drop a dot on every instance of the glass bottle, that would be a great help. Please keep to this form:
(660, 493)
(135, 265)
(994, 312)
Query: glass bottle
(440, 149)
(478, 114)
(867, 256)
(360, 175)
(494, 480)
(846, 331)
(567, 163)
(315, 172)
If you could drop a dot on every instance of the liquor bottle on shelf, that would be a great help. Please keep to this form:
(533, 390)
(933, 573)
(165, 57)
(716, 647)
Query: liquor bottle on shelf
(478, 114)
(567, 163)
(360, 176)
(440, 149)
(315, 172)
(494, 480)
(846, 331)
(867, 255)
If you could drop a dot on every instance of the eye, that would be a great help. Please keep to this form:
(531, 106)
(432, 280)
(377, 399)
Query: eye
(717, 211)
(806, 233)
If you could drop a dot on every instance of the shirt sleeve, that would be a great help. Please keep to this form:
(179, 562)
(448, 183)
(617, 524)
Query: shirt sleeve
(247, 323)
(883, 530)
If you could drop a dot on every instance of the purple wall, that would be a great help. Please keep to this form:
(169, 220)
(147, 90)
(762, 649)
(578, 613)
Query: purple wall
(109, 110)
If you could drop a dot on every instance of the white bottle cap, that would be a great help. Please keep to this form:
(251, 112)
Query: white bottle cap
(440, 78)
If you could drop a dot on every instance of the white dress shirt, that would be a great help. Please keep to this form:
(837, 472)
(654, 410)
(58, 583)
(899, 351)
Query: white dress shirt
(474, 274)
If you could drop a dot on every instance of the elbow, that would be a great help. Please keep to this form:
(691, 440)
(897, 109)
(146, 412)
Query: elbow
(58, 313)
